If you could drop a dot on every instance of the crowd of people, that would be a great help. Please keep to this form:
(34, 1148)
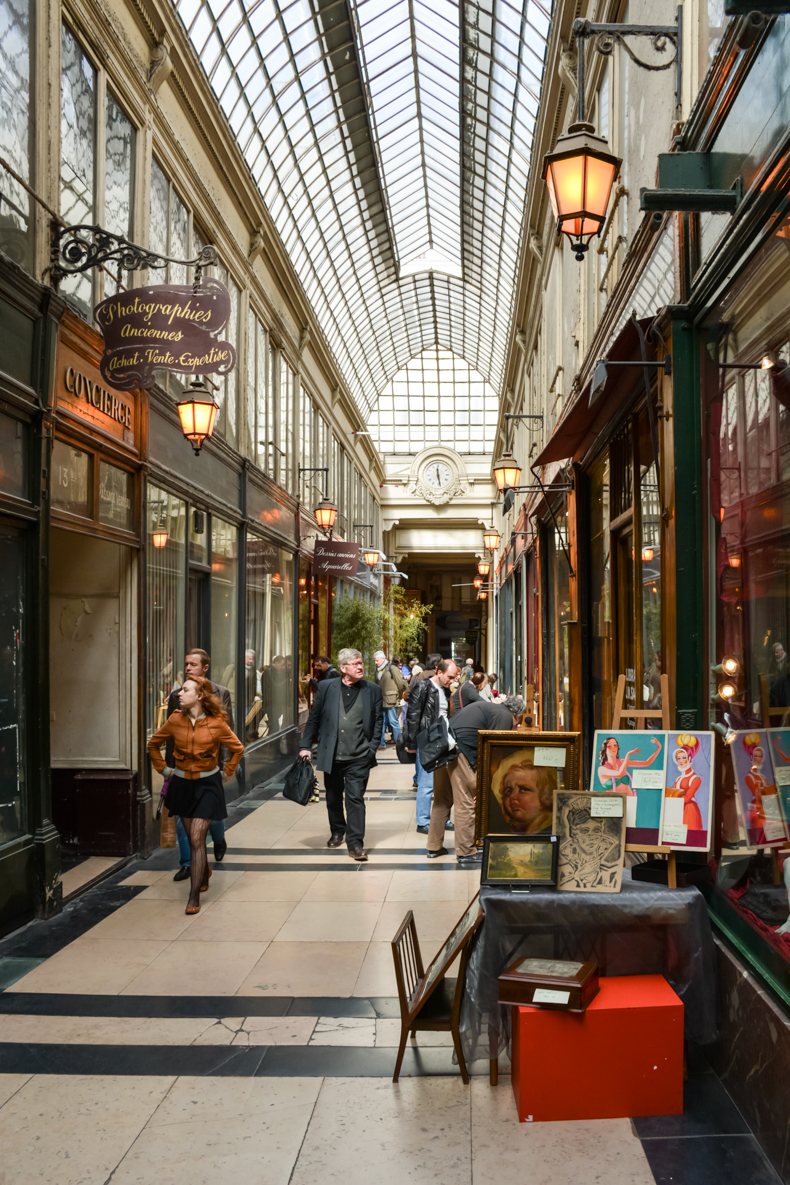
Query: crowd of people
(350, 720)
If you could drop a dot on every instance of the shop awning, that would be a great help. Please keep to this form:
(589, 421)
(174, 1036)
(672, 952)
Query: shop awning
(587, 417)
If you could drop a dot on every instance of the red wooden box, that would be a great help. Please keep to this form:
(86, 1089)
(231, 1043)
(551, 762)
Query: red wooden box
(622, 1057)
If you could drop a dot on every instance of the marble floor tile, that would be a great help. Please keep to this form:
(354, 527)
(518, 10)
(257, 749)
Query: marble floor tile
(86, 871)
(388, 1036)
(415, 1133)
(436, 885)
(363, 884)
(344, 1030)
(145, 919)
(270, 886)
(244, 1130)
(75, 1130)
(177, 892)
(238, 921)
(100, 966)
(600, 1151)
(306, 969)
(10, 1084)
(434, 920)
(103, 1030)
(331, 921)
(197, 969)
(377, 973)
(275, 1030)
(146, 876)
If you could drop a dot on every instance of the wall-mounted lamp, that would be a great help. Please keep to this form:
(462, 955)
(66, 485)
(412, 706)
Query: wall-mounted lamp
(506, 472)
(581, 171)
(325, 513)
(603, 365)
(477, 582)
(727, 690)
(483, 567)
(769, 361)
(197, 413)
(482, 595)
(491, 538)
(371, 555)
(159, 538)
(729, 666)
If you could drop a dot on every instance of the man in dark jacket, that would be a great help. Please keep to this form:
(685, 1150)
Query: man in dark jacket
(428, 700)
(345, 719)
(196, 666)
(460, 793)
(325, 669)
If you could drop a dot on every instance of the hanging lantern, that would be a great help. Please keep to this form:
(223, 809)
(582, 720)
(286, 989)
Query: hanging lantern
(478, 582)
(197, 413)
(483, 567)
(506, 472)
(325, 514)
(648, 554)
(579, 174)
(482, 595)
(491, 538)
(371, 556)
(159, 538)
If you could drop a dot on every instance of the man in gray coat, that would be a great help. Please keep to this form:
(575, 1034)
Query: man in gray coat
(392, 685)
(345, 719)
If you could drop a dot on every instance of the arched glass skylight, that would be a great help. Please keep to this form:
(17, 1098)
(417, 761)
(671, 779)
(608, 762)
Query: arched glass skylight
(436, 398)
(391, 141)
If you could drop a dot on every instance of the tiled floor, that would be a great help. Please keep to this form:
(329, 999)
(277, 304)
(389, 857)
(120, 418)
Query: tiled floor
(255, 1041)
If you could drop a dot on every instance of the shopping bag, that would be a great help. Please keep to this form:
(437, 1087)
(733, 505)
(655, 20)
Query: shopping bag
(299, 781)
(404, 757)
(436, 745)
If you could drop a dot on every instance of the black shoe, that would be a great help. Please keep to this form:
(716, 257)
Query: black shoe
(449, 825)
(335, 839)
(357, 852)
(470, 861)
(220, 848)
(183, 873)
(422, 830)
(439, 852)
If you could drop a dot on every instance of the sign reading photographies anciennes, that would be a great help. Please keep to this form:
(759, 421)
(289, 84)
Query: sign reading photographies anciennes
(332, 558)
(166, 327)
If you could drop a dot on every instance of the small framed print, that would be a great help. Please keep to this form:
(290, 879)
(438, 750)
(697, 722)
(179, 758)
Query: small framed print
(517, 776)
(591, 841)
(633, 763)
(519, 861)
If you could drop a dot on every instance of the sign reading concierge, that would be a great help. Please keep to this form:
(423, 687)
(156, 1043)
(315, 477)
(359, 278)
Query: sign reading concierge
(169, 327)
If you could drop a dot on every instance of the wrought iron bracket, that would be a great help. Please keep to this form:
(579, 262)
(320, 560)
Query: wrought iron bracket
(663, 39)
(77, 249)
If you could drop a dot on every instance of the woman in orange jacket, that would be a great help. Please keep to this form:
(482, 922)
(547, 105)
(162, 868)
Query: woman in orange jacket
(199, 731)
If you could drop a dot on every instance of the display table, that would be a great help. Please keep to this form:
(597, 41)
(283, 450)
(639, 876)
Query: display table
(643, 930)
(621, 1057)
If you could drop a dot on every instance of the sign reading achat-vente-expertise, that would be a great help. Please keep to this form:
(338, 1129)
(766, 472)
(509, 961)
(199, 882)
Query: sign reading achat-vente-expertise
(165, 326)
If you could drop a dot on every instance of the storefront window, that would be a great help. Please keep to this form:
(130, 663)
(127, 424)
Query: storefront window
(12, 700)
(269, 665)
(13, 455)
(600, 595)
(649, 569)
(70, 479)
(165, 541)
(748, 402)
(16, 240)
(116, 507)
(224, 598)
(557, 692)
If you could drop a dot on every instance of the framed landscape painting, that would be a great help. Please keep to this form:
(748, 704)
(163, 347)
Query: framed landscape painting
(517, 776)
(519, 861)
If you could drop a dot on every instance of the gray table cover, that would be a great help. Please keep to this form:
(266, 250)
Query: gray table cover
(643, 930)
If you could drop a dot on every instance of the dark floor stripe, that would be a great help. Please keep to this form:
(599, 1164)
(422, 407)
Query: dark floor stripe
(65, 1004)
(313, 1061)
(321, 849)
(348, 865)
(46, 936)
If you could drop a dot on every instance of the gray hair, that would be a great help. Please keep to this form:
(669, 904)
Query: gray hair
(347, 655)
(514, 704)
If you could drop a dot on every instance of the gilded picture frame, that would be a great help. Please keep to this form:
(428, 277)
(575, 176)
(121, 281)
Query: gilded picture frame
(517, 775)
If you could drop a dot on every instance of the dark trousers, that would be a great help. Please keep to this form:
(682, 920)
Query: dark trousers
(349, 779)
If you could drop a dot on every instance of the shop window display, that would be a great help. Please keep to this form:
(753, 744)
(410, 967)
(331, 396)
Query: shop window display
(268, 659)
(12, 698)
(747, 388)
(165, 541)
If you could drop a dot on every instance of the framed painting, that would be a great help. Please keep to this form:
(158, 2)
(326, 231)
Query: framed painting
(519, 861)
(779, 741)
(688, 792)
(461, 932)
(751, 753)
(633, 763)
(517, 776)
(591, 830)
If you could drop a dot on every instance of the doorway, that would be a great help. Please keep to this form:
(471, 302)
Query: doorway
(93, 700)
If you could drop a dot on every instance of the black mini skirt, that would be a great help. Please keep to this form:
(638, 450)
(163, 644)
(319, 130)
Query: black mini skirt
(197, 798)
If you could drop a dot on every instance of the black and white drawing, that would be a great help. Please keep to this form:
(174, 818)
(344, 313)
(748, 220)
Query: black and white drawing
(592, 845)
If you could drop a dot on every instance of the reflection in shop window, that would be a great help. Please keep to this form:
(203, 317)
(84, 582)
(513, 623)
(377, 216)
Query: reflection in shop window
(269, 659)
(12, 701)
(165, 541)
(16, 240)
(224, 593)
(70, 479)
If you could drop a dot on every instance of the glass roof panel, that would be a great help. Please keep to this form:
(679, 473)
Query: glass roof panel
(390, 140)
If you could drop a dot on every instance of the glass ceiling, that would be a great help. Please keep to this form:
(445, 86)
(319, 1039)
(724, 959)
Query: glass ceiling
(390, 141)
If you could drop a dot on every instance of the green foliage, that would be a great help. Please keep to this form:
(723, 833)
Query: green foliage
(407, 620)
(357, 623)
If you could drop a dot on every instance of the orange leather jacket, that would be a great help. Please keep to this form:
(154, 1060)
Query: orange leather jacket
(195, 746)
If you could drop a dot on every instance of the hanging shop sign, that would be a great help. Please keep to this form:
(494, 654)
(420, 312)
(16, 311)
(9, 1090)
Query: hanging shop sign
(332, 558)
(164, 327)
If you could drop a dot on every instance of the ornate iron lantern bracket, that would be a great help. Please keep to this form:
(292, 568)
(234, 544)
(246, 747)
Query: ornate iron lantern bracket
(77, 249)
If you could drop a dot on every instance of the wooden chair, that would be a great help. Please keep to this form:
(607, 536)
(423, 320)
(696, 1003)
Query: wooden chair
(428, 1000)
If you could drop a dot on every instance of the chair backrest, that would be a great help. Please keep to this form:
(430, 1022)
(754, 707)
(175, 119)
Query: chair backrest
(408, 961)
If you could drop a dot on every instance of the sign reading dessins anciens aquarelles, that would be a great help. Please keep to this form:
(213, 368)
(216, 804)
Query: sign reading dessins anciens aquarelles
(169, 327)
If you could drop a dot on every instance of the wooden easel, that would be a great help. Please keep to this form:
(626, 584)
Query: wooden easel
(620, 714)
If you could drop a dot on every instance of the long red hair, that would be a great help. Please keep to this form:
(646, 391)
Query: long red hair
(211, 703)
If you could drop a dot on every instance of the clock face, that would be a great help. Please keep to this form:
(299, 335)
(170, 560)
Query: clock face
(437, 475)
